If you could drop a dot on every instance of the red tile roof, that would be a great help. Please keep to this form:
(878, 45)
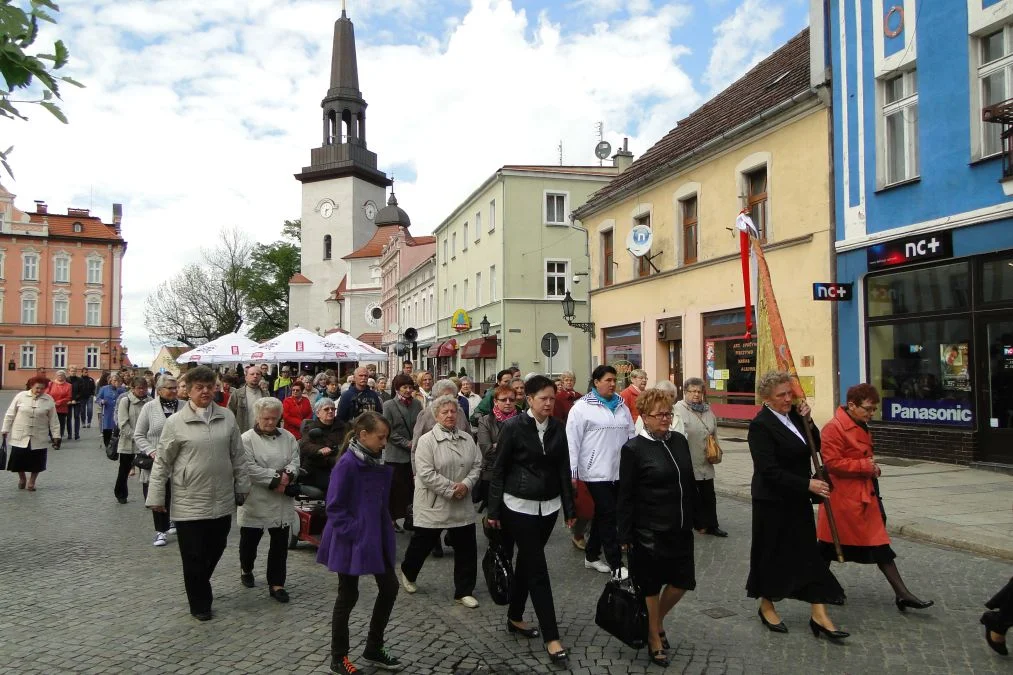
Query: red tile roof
(339, 292)
(778, 78)
(299, 278)
(374, 247)
(92, 227)
(371, 339)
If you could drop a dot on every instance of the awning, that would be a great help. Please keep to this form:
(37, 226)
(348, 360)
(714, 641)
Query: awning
(434, 351)
(448, 348)
(479, 348)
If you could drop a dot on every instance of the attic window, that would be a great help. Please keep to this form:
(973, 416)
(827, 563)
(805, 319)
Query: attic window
(778, 79)
(78, 227)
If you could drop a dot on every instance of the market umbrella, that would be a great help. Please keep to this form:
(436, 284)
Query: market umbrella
(226, 349)
(306, 346)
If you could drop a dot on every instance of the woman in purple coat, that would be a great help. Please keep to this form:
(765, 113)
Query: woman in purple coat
(359, 539)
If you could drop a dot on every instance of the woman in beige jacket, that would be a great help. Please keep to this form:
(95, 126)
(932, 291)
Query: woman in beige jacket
(128, 410)
(30, 424)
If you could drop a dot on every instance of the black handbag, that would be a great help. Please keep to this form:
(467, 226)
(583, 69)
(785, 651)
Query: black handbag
(3, 455)
(112, 450)
(499, 573)
(879, 498)
(622, 612)
(143, 461)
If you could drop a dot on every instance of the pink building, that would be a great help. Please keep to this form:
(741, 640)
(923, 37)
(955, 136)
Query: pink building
(60, 291)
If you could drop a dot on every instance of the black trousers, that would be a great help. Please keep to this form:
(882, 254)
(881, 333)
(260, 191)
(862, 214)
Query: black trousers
(107, 435)
(462, 539)
(707, 505)
(348, 595)
(531, 573)
(604, 535)
(74, 421)
(63, 423)
(201, 545)
(277, 554)
(1003, 603)
(120, 488)
(161, 519)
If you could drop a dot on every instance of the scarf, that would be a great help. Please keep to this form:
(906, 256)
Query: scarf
(450, 430)
(698, 407)
(169, 408)
(658, 437)
(406, 401)
(611, 403)
(364, 454)
(502, 416)
(273, 434)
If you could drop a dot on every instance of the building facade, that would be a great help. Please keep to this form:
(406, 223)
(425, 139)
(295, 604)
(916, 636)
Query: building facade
(416, 292)
(925, 219)
(60, 291)
(678, 311)
(507, 255)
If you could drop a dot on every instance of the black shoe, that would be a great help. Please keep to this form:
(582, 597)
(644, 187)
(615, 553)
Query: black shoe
(121, 500)
(664, 640)
(524, 632)
(437, 551)
(773, 627)
(342, 666)
(716, 532)
(382, 659)
(992, 624)
(246, 578)
(560, 658)
(77, 438)
(832, 634)
(913, 603)
(201, 616)
(660, 658)
(281, 595)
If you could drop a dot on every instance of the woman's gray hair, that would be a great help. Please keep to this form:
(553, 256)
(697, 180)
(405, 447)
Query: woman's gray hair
(441, 401)
(467, 379)
(774, 378)
(694, 382)
(567, 374)
(321, 402)
(639, 372)
(62, 372)
(444, 388)
(667, 387)
(165, 381)
(266, 404)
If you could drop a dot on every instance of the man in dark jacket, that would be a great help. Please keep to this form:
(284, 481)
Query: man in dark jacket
(76, 403)
(359, 398)
(86, 404)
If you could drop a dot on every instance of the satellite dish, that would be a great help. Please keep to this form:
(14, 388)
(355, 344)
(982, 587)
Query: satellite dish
(639, 240)
(603, 150)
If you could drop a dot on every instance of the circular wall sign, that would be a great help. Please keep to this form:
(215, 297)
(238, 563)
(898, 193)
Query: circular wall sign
(893, 21)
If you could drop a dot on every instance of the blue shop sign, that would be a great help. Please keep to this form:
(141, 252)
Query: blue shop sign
(933, 412)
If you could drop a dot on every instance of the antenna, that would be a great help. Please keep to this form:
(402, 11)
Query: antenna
(560, 152)
(600, 127)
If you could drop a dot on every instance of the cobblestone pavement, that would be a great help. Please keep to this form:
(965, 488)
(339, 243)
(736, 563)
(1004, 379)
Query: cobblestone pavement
(84, 591)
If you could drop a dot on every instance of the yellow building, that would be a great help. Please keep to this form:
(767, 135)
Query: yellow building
(678, 311)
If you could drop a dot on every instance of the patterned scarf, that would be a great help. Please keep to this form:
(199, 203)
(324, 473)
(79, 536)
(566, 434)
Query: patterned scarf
(698, 407)
(169, 408)
(406, 401)
(503, 416)
(364, 454)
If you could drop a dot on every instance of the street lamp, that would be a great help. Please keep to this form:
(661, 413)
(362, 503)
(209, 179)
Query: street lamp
(569, 312)
(484, 326)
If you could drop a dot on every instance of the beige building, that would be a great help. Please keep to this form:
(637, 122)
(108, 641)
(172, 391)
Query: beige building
(678, 311)
(416, 293)
(508, 255)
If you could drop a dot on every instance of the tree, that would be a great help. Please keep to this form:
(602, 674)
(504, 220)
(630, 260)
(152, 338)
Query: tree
(265, 282)
(25, 70)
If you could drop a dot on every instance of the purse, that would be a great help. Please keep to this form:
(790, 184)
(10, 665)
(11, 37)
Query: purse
(3, 455)
(143, 461)
(112, 450)
(714, 453)
(622, 612)
(498, 572)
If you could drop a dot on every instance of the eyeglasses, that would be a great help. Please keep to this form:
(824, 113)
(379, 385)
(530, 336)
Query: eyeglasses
(662, 415)
(506, 400)
(869, 408)
(326, 409)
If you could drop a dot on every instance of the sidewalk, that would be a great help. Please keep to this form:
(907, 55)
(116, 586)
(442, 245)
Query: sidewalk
(943, 504)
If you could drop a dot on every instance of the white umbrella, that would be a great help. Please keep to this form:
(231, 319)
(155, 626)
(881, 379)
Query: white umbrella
(226, 349)
(303, 345)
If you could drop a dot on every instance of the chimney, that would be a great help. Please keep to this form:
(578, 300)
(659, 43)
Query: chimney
(117, 216)
(623, 158)
(78, 213)
(40, 206)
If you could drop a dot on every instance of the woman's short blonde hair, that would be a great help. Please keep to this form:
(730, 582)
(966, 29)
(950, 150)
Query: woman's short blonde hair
(771, 380)
(653, 398)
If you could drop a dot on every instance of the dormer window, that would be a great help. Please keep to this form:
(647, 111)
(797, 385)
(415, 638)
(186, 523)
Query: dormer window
(78, 228)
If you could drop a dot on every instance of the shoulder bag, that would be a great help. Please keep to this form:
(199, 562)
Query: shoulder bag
(496, 568)
(714, 453)
(112, 450)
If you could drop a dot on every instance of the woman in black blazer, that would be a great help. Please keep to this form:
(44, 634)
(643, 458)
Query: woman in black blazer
(785, 560)
(530, 484)
(656, 504)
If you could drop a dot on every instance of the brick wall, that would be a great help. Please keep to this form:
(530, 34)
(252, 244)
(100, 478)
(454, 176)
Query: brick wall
(930, 443)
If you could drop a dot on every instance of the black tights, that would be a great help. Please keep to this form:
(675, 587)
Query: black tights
(892, 574)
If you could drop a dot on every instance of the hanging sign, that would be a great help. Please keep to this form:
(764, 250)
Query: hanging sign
(908, 250)
(460, 321)
(832, 292)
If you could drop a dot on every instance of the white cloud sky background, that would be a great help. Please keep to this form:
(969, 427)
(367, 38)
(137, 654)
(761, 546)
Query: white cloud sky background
(198, 112)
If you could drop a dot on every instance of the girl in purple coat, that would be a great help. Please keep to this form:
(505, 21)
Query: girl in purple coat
(359, 539)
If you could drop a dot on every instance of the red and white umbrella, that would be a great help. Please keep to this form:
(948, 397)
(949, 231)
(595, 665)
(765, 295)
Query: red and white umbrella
(304, 345)
(226, 349)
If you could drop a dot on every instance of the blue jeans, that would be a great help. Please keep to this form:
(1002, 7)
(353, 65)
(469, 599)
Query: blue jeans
(74, 420)
(87, 410)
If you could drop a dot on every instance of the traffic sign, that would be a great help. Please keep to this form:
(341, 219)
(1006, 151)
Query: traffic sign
(550, 345)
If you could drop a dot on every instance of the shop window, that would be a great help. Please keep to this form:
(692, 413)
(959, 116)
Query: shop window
(929, 289)
(997, 280)
(623, 351)
(730, 363)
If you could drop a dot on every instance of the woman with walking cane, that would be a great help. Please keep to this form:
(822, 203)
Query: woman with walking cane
(785, 560)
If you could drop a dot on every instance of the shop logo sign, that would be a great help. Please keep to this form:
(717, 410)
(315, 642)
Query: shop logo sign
(910, 250)
(832, 292)
(916, 411)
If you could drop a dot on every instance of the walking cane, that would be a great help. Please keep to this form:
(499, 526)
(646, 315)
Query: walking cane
(821, 473)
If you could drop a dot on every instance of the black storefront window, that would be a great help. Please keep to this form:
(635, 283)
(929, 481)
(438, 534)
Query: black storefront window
(918, 291)
(997, 280)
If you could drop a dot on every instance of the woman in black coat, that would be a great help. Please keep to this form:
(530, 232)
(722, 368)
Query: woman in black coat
(785, 560)
(321, 442)
(530, 484)
(657, 498)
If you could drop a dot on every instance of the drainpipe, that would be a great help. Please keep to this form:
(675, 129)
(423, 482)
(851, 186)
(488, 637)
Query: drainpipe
(587, 255)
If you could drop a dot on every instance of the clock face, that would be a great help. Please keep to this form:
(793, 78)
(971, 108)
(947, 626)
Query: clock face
(327, 209)
(369, 208)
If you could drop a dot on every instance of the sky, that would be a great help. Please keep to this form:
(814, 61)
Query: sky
(197, 113)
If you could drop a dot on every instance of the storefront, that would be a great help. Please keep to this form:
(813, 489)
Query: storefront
(623, 351)
(939, 340)
(730, 365)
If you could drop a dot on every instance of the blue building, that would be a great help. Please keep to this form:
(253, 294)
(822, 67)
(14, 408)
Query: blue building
(923, 191)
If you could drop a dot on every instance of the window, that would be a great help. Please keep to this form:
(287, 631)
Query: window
(478, 226)
(996, 79)
(453, 297)
(607, 259)
(91, 357)
(644, 261)
(478, 289)
(327, 247)
(78, 228)
(453, 246)
(900, 127)
(432, 308)
(61, 269)
(445, 256)
(94, 270)
(492, 283)
(93, 312)
(555, 208)
(464, 297)
(423, 316)
(27, 356)
(623, 348)
(59, 357)
(732, 359)
(30, 267)
(464, 241)
(446, 304)
(555, 279)
(492, 215)
(29, 310)
(756, 200)
(61, 311)
(3, 264)
(690, 233)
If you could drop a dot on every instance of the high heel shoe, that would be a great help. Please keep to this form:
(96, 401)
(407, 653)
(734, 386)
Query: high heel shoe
(903, 604)
(773, 627)
(832, 634)
(560, 658)
(988, 620)
(664, 640)
(524, 632)
(660, 658)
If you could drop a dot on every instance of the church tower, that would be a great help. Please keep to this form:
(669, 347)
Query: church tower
(341, 192)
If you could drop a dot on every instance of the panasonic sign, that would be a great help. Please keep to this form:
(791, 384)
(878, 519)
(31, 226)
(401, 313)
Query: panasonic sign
(914, 411)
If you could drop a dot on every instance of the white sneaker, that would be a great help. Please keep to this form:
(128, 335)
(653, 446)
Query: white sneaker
(621, 574)
(408, 586)
(159, 539)
(467, 601)
(172, 528)
(597, 566)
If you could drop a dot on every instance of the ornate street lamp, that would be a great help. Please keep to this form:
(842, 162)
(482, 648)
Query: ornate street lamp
(484, 325)
(569, 312)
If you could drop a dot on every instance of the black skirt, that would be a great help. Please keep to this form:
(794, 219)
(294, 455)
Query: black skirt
(863, 555)
(27, 460)
(784, 560)
(673, 564)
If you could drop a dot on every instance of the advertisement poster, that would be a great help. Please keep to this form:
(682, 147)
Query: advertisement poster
(931, 412)
(953, 362)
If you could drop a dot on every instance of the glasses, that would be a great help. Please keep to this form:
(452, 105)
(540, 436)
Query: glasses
(506, 400)
(662, 415)
(869, 408)
(327, 409)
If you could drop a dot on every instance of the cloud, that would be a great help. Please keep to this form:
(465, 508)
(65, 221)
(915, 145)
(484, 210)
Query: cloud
(742, 40)
(196, 115)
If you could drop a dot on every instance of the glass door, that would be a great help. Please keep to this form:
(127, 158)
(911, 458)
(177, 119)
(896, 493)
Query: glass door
(996, 388)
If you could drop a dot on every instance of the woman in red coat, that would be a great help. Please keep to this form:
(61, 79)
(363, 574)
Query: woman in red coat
(296, 409)
(860, 518)
(60, 390)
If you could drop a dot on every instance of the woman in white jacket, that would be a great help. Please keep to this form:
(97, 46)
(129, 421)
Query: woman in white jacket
(597, 428)
(30, 424)
(147, 431)
(273, 457)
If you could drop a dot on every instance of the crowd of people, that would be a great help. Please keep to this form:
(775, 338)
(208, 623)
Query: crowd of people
(437, 458)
